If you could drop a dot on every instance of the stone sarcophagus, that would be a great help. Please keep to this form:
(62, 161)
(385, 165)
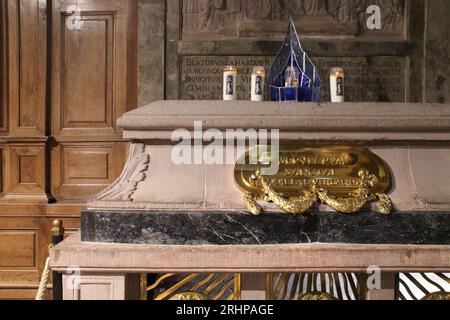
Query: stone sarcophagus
(261, 192)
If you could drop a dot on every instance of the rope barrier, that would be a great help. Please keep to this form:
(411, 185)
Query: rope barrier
(58, 235)
(44, 281)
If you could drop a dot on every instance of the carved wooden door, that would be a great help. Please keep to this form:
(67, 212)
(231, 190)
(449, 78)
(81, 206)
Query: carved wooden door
(89, 93)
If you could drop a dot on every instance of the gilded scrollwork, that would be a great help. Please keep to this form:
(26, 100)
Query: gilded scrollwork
(355, 203)
(252, 205)
(384, 205)
(298, 205)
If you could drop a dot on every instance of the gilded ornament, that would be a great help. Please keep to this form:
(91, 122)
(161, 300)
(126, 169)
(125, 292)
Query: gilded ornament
(317, 296)
(343, 178)
(193, 296)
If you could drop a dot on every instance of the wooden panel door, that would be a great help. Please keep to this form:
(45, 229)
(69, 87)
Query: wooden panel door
(27, 65)
(92, 82)
(3, 67)
(23, 100)
(89, 68)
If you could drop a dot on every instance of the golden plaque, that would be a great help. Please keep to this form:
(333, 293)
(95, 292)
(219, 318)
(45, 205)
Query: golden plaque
(344, 178)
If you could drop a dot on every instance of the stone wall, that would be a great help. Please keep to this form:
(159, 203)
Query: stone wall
(437, 85)
(184, 45)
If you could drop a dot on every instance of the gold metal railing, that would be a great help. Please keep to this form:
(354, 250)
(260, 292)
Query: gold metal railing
(195, 286)
(291, 286)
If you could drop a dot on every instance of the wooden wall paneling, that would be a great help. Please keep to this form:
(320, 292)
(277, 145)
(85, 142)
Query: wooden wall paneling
(19, 294)
(1, 170)
(24, 160)
(85, 168)
(75, 148)
(3, 67)
(93, 68)
(19, 251)
(24, 245)
(89, 68)
(25, 173)
(27, 63)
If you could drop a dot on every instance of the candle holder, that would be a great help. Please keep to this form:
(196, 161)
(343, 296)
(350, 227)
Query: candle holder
(293, 77)
(229, 83)
(258, 83)
(337, 76)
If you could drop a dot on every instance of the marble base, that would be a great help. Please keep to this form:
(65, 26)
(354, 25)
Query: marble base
(234, 228)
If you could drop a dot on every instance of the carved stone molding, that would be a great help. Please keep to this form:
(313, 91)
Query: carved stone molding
(134, 173)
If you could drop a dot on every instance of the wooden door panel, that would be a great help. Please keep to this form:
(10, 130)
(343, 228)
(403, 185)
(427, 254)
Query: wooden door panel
(88, 79)
(3, 67)
(27, 65)
(84, 169)
(89, 67)
(18, 249)
(25, 168)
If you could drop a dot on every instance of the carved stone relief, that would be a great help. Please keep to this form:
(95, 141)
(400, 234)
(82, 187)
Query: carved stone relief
(134, 173)
(262, 18)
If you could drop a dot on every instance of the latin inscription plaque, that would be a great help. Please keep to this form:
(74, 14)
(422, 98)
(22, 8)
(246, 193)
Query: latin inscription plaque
(335, 169)
(378, 79)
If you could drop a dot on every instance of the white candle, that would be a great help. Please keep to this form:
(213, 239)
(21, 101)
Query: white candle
(229, 83)
(337, 77)
(258, 82)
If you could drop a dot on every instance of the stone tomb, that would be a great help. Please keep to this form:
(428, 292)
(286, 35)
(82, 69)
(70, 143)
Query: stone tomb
(164, 218)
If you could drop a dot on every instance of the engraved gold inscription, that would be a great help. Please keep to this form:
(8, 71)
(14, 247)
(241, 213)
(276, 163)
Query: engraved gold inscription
(343, 178)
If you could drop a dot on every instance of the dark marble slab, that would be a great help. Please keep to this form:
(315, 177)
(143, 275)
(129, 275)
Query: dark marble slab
(232, 228)
(183, 228)
(398, 228)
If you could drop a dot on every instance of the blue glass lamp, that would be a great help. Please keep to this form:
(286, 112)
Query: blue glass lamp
(292, 57)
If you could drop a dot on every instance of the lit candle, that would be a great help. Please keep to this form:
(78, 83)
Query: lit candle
(291, 83)
(291, 77)
(258, 81)
(337, 77)
(229, 83)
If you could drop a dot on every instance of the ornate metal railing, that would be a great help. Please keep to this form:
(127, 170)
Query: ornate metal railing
(195, 286)
(315, 286)
(423, 286)
(291, 286)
